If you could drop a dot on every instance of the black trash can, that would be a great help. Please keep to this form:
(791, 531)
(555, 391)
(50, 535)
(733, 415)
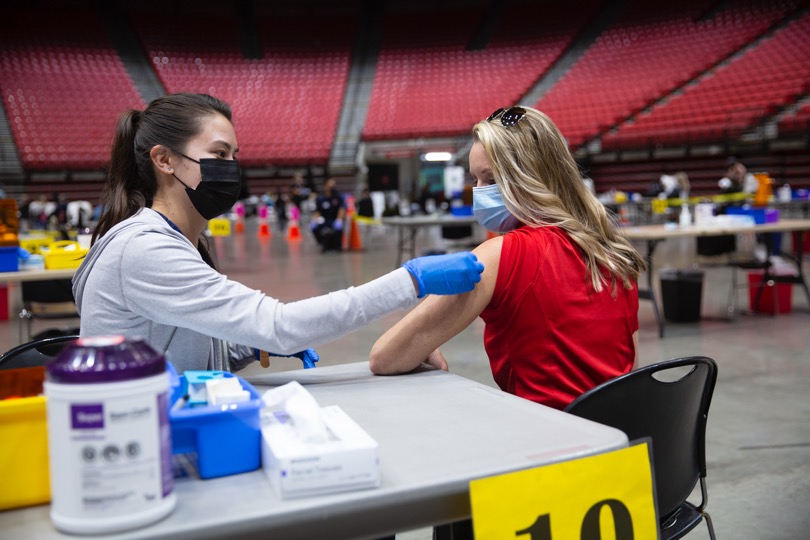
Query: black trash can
(681, 292)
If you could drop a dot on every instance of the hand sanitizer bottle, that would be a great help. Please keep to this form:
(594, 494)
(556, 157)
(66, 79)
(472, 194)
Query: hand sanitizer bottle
(685, 219)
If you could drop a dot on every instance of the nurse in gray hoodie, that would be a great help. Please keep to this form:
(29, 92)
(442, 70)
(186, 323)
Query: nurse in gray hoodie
(173, 167)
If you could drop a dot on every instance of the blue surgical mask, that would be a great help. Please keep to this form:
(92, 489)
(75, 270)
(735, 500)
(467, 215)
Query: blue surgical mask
(490, 211)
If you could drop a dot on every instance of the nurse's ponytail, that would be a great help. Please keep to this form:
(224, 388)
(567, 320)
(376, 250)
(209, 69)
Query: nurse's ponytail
(124, 192)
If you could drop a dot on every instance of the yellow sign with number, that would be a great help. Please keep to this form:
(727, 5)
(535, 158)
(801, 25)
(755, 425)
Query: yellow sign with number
(219, 227)
(602, 497)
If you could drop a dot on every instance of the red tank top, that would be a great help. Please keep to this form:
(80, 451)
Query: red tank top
(549, 336)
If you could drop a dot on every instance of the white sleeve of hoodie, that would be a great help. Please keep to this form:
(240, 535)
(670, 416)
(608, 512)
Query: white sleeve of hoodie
(166, 281)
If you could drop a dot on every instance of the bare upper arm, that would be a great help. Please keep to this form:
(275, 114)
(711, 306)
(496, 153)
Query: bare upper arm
(437, 319)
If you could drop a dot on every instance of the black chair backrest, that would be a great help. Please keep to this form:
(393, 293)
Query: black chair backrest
(34, 353)
(48, 291)
(649, 402)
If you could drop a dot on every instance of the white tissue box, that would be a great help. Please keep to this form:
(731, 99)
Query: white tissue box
(347, 461)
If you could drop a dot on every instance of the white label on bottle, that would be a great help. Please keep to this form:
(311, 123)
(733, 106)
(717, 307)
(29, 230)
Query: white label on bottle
(113, 462)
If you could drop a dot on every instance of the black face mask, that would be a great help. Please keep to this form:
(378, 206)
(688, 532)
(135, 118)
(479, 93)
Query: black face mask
(219, 187)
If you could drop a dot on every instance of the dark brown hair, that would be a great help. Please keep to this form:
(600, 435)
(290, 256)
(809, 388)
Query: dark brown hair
(171, 121)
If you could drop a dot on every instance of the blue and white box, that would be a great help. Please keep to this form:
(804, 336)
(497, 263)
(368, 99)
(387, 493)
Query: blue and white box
(347, 460)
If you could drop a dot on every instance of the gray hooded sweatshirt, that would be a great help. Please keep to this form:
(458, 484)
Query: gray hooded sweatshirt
(144, 279)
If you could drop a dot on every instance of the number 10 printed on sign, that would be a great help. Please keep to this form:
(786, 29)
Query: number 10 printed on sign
(603, 497)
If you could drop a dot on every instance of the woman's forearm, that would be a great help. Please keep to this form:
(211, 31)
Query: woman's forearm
(431, 324)
(400, 349)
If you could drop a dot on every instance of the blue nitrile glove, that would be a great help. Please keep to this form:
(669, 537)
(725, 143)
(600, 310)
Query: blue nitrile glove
(316, 222)
(337, 225)
(445, 274)
(307, 356)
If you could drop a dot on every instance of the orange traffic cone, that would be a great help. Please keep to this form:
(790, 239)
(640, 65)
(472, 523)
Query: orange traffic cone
(239, 226)
(293, 230)
(264, 229)
(355, 244)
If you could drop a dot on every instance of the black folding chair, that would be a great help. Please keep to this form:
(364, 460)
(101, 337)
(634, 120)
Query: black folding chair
(669, 402)
(34, 353)
(50, 299)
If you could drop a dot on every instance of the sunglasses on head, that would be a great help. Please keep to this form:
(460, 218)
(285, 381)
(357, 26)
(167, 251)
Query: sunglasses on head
(509, 117)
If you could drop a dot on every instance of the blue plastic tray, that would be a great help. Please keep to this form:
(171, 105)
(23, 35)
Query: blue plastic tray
(226, 439)
(8, 259)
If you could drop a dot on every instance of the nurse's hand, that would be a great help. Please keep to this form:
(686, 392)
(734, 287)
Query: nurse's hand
(307, 356)
(453, 273)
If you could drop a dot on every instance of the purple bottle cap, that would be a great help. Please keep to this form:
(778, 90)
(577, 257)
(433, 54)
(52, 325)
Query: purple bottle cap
(105, 359)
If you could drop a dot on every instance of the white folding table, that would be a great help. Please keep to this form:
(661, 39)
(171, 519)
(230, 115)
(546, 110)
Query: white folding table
(655, 234)
(436, 431)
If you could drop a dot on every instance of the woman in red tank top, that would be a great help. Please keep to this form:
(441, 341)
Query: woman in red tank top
(558, 294)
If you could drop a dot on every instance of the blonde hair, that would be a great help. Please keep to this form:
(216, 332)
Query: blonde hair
(541, 186)
(683, 182)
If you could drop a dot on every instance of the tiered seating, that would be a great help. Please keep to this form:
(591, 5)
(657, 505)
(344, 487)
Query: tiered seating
(74, 189)
(796, 170)
(736, 97)
(638, 176)
(797, 122)
(63, 87)
(427, 83)
(310, 57)
(286, 105)
(63, 93)
(650, 50)
(704, 171)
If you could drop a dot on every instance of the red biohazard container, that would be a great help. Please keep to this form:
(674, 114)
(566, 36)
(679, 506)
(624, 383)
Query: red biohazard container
(766, 304)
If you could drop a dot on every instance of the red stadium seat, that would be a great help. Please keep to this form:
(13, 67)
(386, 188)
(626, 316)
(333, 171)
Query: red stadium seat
(750, 88)
(294, 92)
(45, 74)
(649, 51)
(434, 87)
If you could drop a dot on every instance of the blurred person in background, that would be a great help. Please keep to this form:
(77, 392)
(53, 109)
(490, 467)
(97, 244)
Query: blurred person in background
(40, 211)
(281, 202)
(327, 219)
(737, 178)
(365, 206)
